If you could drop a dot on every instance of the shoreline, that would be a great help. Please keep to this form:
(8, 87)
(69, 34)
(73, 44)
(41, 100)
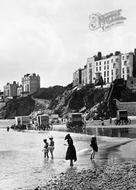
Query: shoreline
(117, 175)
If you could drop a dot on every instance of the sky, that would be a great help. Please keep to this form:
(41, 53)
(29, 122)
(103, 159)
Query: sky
(52, 37)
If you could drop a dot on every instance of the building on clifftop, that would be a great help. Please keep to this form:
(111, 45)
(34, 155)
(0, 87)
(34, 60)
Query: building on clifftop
(30, 83)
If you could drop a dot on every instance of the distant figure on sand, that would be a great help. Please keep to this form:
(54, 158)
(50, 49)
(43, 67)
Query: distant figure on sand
(51, 146)
(8, 129)
(45, 148)
(110, 120)
(94, 147)
(71, 151)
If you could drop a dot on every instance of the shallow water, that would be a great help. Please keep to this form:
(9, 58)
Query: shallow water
(24, 167)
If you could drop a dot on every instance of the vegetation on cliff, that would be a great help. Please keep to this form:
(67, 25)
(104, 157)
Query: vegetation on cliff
(17, 107)
(49, 93)
(66, 99)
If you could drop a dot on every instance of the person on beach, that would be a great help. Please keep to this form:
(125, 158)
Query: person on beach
(94, 147)
(46, 149)
(51, 146)
(8, 129)
(71, 151)
(110, 120)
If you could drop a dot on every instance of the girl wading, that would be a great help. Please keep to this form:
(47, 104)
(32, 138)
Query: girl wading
(71, 151)
(94, 147)
(51, 146)
(45, 148)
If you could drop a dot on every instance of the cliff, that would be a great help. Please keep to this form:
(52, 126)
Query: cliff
(61, 100)
(17, 107)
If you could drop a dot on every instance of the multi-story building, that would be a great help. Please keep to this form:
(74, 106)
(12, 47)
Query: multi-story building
(127, 65)
(19, 90)
(10, 90)
(109, 68)
(31, 83)
(84, 75)
(77, 77)
(90, 65)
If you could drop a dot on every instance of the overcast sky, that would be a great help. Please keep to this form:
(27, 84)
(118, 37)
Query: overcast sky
(52, 37)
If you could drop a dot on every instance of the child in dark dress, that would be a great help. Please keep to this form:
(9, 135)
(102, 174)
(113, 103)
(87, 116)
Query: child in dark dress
(71, 151)
(94, 147)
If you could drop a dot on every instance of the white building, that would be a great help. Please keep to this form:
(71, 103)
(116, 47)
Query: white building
(109, 68)
(127, 65)
(31, 83)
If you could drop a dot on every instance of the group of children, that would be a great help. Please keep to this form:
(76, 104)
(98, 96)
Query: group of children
(48, 147)
(71, 151)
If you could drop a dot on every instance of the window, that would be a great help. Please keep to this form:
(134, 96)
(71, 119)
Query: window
(123, 71)
(111, 78)
(96, 68)
(100, 63)
(104, 73)
(127, 57)
(123, 57)
(111, 72)
(128, 70)
(117, 59)
(116, 72)
(107, 66)
(125, 62)
(104, 67)
(108, 62)
(111, 60)
(96, 63)
(99, 68)
(107, 80)
(107, 73)
(104, 62)
(114, 65)
(104, 80)
(90, 64)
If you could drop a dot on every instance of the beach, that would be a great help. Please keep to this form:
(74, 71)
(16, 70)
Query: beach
(114, 176)
(23, 166)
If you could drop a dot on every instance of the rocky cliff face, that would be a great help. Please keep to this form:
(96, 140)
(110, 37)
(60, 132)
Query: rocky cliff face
(62, 100)
(56, 99)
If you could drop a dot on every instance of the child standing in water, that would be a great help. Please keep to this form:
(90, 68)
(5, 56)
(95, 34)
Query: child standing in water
(45, 149)
(51, 146)
(94, 147)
